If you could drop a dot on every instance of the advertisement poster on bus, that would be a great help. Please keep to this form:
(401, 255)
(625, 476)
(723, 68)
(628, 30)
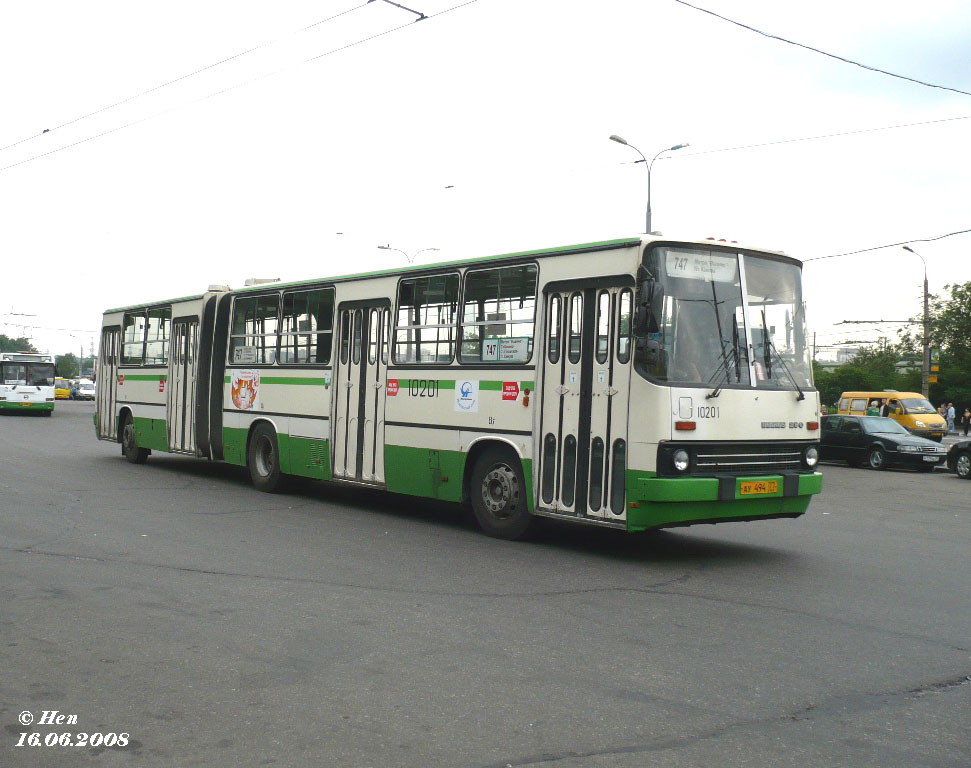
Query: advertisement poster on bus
(245, 389)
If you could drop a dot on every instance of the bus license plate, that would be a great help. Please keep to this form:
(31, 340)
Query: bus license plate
(937, 434)
(25, 405)
(759, 487)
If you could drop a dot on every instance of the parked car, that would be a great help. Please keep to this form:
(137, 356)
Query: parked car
(62, 389)
(86, 390)
(959, 459)
(878, 441)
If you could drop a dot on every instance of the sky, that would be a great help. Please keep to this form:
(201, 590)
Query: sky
(206, 143)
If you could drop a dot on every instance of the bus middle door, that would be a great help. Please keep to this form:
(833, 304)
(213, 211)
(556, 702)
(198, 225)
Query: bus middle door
(359, 392)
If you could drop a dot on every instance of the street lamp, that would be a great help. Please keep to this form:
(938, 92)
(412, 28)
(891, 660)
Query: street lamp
(643, 159)
(411, 259)
(926, 365)
(80, 359)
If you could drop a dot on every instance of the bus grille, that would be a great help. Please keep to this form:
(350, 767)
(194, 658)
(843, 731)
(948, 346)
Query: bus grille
(740, 462)
(741, 458)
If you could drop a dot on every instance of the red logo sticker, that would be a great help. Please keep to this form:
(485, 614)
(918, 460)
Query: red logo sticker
(392, 387)
(121, 379)
(510, 390)
(161, 385)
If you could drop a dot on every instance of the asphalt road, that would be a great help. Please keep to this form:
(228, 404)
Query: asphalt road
(219, 626)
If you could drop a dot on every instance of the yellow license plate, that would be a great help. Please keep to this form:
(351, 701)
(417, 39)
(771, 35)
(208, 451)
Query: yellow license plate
(759, 487)
(26, 405)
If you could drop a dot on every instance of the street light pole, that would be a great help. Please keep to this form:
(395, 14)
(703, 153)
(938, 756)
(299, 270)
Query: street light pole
(410, 259)
(926, 364)
(648, 165)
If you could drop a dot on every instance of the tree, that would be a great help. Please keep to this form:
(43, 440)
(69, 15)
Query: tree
(67, 365)
(950, 329)
(21, 344)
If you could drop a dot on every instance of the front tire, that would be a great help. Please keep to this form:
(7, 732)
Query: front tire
(877, 458)
(129, 447)
(962, 465)
(498, 493)
(263, 459)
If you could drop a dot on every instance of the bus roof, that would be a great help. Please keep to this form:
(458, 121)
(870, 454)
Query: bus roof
(626, 242)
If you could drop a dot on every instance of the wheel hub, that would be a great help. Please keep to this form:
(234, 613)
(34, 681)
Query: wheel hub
(500, 491)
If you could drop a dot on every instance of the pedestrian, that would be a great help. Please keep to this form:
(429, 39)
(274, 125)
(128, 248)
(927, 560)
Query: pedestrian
(873, 409)
(966, 420)
(950, 417)
(884, 407)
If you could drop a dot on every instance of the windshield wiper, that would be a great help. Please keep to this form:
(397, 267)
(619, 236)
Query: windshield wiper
(726, 370)
(770, 346)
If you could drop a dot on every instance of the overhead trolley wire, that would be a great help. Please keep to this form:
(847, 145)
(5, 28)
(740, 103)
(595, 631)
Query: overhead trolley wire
(821, 52)
(890, 245)
(181, 78)
(233, 87)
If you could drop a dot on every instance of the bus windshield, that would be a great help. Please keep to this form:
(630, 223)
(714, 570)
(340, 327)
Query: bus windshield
(33, 374)
(700, 334)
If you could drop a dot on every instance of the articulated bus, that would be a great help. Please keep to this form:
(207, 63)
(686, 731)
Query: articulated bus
(638, 383)
(27, 382)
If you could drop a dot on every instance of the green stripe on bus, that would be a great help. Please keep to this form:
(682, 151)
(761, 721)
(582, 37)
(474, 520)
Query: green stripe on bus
(143, 376)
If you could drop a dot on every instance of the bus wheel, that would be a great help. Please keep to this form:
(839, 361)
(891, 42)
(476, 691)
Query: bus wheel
(498, 494)
(962, 465)
(263, 459)
(129, 447)
(877, 459)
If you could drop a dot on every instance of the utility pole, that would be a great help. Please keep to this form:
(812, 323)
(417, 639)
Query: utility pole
(926, 363)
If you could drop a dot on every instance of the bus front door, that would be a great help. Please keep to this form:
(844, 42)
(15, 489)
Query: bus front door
(359, 391)
(586, 385)
(108, 384)
(180, 397)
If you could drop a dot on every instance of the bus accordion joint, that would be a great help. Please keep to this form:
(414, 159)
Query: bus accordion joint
(685, 426)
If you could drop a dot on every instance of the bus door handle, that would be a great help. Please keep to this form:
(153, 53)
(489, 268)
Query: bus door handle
(377, 385)
(610, 391)
(561, 390)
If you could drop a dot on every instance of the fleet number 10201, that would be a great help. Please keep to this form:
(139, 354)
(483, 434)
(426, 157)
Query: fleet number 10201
(709, 411)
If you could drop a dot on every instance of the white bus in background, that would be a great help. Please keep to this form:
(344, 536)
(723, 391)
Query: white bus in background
(27, 382)
(636, 384)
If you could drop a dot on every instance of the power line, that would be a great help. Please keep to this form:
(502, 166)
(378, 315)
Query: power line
(824, 53)
(814, 138)
(179, 79)
(231, 88)
(890, 245)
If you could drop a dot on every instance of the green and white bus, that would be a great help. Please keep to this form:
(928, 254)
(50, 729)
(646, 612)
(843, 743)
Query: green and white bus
(637, 383)
(27, 382)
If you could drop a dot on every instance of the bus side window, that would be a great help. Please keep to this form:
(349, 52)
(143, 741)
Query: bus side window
(133, 339)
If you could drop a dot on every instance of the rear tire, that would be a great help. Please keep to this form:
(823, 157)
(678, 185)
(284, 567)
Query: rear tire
(877, 458)
(962, 465)
(498, 493)
(129, 447)
(263, 459)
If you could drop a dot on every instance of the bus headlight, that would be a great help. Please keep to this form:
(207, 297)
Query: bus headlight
(919, 423)
(680, 459)
(810, 456)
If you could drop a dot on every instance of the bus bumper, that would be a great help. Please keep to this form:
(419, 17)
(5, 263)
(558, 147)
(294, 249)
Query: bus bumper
(22, 405)
(661, 502)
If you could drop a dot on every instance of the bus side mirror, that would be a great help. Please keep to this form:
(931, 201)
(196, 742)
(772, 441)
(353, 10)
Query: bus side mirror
(650, 308)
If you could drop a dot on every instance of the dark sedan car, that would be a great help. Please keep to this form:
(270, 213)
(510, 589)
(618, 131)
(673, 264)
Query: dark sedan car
(959, 459)
(878, 441)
